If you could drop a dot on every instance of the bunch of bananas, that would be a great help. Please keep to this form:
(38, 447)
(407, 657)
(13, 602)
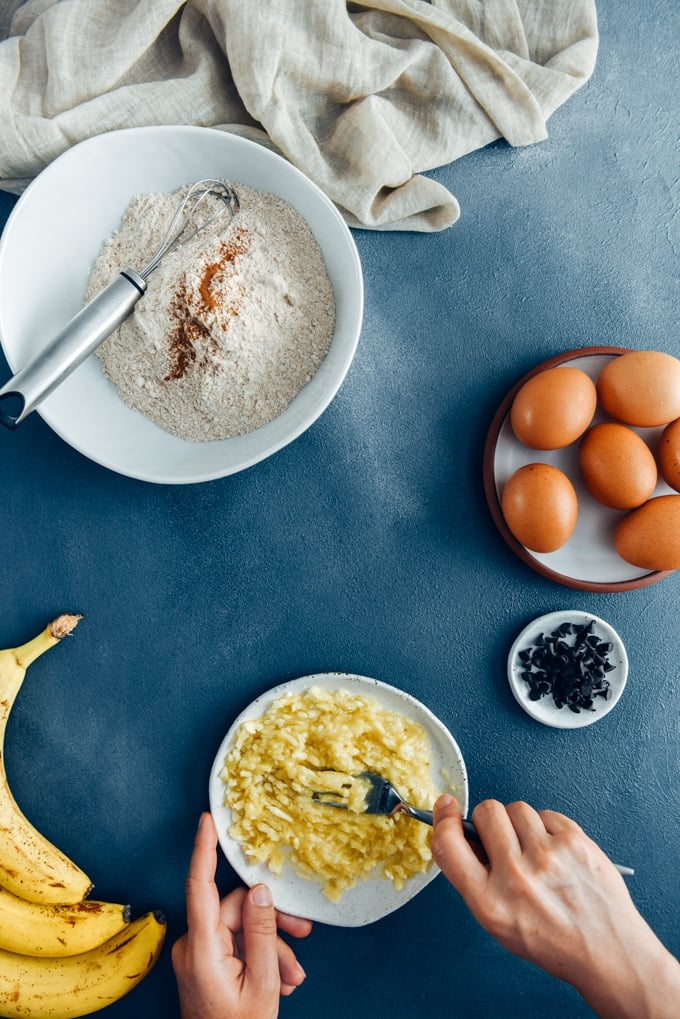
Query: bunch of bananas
(61, 954)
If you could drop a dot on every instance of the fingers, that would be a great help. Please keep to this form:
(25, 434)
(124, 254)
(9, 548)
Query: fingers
(231, 908)
(529, 825)
(260, 940)
(496, 831)
(249, 916)
(293, 925)
(453, 855)
(555, 823)
(230, 914)
(203, 900)
(571, 839)
(290, 970)
(291, 973)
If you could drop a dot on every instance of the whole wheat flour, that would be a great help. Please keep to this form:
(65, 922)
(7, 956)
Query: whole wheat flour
(233, 324)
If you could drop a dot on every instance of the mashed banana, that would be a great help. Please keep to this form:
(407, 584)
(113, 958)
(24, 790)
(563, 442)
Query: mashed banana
(294, 749)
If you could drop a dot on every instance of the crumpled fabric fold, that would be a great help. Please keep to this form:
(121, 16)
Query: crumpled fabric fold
(365, 98)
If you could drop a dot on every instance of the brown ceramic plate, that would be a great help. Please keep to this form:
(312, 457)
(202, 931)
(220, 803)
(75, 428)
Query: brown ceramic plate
(588, 561)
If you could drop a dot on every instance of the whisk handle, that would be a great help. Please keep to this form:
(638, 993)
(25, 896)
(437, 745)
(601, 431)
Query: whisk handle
(65, 352)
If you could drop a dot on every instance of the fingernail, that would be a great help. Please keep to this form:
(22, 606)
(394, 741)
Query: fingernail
(443, 801)
(200, 821)
(261, 895)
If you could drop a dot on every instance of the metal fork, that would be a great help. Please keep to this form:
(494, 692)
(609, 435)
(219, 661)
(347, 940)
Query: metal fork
(382, 798)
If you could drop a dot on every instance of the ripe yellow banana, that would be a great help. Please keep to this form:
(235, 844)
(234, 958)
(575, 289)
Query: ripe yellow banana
(36, 928)
(77, 985)
(30, 866)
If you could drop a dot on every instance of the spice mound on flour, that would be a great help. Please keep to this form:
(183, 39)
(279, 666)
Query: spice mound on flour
(233, 324)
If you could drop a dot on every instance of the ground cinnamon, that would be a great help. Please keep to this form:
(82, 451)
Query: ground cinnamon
(188, 330)
(228, 252)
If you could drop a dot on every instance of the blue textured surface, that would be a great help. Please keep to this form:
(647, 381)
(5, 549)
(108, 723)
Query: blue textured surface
(366, 546)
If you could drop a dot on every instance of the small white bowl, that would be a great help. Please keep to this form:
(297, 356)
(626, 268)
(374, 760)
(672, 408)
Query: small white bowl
(52, 238)
(368, 900)
(545, 710)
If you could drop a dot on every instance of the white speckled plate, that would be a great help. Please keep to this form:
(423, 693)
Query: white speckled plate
(545, 710)
(368, 900)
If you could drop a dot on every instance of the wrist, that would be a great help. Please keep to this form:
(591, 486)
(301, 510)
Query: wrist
(645, 984)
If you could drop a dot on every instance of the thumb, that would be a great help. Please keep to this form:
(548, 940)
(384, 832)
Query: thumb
(452, 853)
(260, 939)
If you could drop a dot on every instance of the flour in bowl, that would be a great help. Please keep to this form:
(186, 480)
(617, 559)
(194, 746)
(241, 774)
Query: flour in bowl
(233, 324)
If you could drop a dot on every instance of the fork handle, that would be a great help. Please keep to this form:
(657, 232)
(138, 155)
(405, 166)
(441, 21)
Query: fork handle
(426, 816)
(472, 835)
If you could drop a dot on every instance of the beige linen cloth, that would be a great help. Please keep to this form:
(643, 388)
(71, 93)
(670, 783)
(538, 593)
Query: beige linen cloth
(364, 98)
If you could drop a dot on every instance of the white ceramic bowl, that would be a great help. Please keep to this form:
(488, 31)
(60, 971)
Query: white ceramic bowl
(368, 900)
(545, 710)
(52, 238)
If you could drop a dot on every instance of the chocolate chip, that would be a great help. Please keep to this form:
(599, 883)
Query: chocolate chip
(569, 664)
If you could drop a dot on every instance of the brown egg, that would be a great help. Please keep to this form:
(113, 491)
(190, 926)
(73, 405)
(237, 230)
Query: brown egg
(553, 408)
(669, 454)
(641, 387)
(649, 536)
(617, 466)
(540, 507)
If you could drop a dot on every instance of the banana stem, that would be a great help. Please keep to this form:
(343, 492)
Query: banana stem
(60, 627)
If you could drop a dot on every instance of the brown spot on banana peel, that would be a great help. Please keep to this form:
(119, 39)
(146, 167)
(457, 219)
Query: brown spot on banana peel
(68, 882)
(121, 944)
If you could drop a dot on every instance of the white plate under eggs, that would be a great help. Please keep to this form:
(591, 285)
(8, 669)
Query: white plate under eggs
(368, 900)
(52, 238)
(588, 561)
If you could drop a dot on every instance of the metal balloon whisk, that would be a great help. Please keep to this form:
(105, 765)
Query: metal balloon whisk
(111, 306)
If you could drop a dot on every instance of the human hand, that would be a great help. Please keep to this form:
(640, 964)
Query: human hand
(550, 895)
(231, 964)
